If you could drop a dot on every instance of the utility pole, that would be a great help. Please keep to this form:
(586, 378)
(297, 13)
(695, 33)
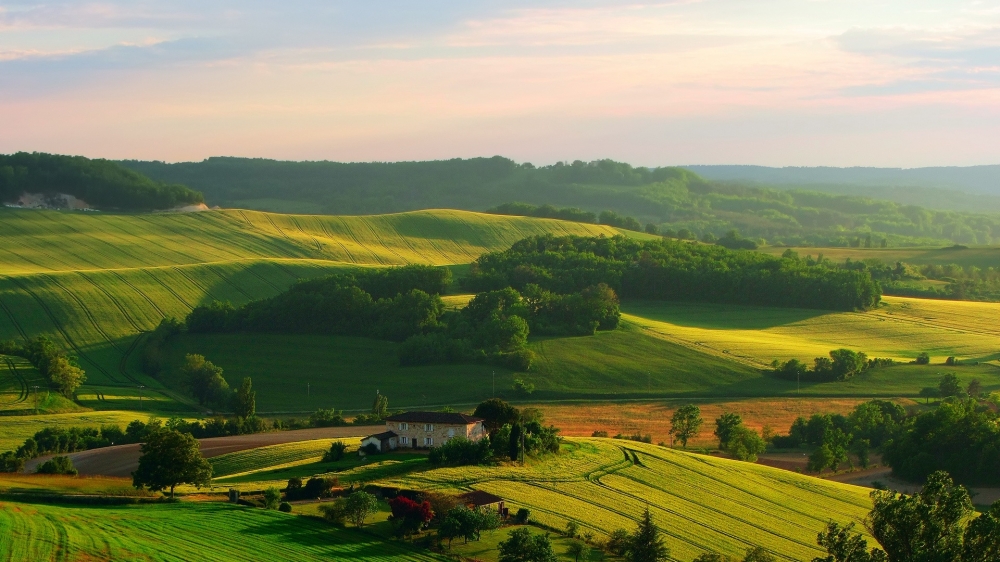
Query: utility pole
(140, 395)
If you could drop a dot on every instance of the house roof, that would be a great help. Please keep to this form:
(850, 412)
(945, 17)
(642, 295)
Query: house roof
(478, 497)
(382, 436)
(444, 418)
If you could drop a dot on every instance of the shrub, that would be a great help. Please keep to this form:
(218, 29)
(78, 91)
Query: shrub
(460, 451)
(285, 507)
(336, 452)
(522, 515)
(57, 465)
(335, 512)
(599, 433)
(923, 359)
(370, 449)
(272, 497)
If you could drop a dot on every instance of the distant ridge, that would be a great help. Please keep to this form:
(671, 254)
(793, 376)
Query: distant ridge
(975, 179)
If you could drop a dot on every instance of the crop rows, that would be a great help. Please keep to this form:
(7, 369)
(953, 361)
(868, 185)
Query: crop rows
(700, 502)
(274, 456)
(185, 531)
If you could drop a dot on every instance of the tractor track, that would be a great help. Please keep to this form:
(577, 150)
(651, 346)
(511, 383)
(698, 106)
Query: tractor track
(147, 298)
(13, 320)
(114, 300)
(21, 382)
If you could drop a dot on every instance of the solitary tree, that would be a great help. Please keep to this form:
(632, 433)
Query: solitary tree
(929, 392)
(204, 379)
(645, 544)
(685, 423)
(949, 386)
(576, 549)
(66, 376)
(522, 546)
(359, 506)
(245, 402)
(725, 426)
(170, 458)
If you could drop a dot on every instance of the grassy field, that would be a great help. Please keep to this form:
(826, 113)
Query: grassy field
(182, 531)
(899, 329)
(700, 502)
(276, 456)
(15, 429)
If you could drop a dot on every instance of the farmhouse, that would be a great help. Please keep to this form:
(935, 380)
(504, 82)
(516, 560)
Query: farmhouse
(425, 430)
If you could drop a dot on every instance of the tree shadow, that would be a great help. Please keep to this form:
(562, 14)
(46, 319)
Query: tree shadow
(719, 316)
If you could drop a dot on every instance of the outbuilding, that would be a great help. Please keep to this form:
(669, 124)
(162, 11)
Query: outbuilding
(385, 441)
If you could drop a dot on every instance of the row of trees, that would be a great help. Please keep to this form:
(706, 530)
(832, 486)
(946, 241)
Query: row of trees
(842, 365)
(670, 269)
(62, 370)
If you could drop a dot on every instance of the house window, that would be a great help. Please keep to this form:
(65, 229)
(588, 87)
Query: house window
(404, 440)
(451, 432)
(404, 425)
(428, 427)
(428, 441)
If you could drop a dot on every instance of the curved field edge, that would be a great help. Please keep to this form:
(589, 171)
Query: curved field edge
(183, 531)
(700, 502)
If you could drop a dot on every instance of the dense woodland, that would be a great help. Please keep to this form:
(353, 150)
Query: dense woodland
(101, 183)
(672, 270)
(670, 198)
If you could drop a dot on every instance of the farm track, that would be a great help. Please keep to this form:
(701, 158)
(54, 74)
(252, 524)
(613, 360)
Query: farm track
(146, 297)
(168, 288)
(113, 300)
(85, 309)
(13, 321)
(250, 270)
(19, 380)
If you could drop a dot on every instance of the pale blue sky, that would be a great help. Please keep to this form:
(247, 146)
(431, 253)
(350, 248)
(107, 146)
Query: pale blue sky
(774, 82)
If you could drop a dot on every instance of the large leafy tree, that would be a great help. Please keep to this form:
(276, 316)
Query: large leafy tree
(359, 506)
(686, 423)
(523, 546)
(725, 428)
(170, 458)
(496, 413)
(205, 380)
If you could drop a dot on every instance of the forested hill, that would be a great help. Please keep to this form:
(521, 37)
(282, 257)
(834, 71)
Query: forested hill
(671, 198)
(103, 184)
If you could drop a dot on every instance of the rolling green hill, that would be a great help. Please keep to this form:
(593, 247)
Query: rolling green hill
(673, 198)
(95, 283)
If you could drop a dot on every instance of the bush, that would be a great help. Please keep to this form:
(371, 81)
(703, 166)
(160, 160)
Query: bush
(336, 452)
(285, 507)
(335, 512)
(370, 449)
(460, 451)
(599, 433)
(272, 497)
(522, 515)
(923, 359)
(57, 465)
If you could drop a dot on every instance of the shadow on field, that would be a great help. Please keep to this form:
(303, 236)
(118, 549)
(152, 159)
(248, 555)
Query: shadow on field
(339, 543)
(719, 316)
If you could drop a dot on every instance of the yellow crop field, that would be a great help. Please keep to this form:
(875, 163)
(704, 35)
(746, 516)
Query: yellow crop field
(276, 456)
(701, 503)
(15, 429)
(899, 329)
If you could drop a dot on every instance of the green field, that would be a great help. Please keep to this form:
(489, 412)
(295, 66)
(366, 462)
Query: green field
(700, 502)
(95, 283)
(182, 531)
(277, 456)
(979, 256)
(15, 429)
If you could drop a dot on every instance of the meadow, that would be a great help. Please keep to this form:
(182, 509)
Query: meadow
(183, 531)
(979, 256)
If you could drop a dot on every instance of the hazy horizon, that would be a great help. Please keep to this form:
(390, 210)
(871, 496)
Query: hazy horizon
(772, 83)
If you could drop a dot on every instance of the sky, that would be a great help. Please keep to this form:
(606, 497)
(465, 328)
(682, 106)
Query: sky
(901, 83)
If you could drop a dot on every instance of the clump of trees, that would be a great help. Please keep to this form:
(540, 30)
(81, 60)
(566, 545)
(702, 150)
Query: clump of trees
(842, 365)
(737, 439)
(61, 369)
(935, 524)
(467, 524)
(672, 270)
(101, 183)
(57, 465)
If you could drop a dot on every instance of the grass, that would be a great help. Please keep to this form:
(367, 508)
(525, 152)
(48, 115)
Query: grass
(979, 256)
(900, 329)
(276, 456)
(182, 531)
(700, 502)
(485, 549)
(60, 484)
(15, 429)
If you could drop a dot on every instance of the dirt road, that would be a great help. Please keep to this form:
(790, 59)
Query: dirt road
(121, 460)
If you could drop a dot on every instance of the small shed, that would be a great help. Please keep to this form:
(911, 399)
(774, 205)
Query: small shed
(479, 498)
(385, 441)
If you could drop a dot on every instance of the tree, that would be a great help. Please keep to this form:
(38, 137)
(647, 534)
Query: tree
(359, 506)
(336, 452)
(949, 386)
(170, 458)
(924, 527)
(409, 516)
(522, 546)
(758, 554)
(496, 413)
(65, 376)
(572, 529)
(645, 544)
(821, 458)
(843, 544)
(929, 392)
(618, 542)
(725, 425)
(745, 444)
(685, 423)
(576, 549)
(975, 388)
(245, 401)
(982, 537)
(712, 557)
(204, 379)
(923, 358)
(272, 497)
(514, 443)
(380, 406)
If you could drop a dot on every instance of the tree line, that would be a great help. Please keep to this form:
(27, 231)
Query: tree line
(101, 183)
(841, 365)
(671, 270)
(61, 369)
(404, 304)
